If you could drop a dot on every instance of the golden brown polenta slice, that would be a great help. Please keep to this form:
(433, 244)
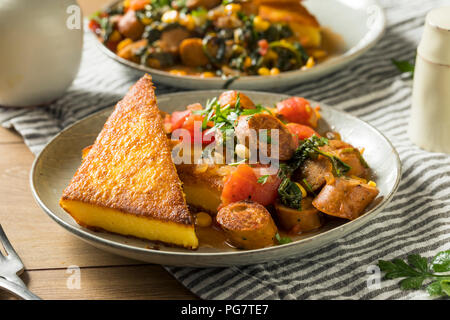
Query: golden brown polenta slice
(127, 182)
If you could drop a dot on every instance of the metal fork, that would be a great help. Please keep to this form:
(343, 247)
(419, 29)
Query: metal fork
(10, 268)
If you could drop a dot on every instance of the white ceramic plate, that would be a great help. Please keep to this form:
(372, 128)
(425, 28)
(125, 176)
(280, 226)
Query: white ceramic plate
(360, 23)
(56, 164)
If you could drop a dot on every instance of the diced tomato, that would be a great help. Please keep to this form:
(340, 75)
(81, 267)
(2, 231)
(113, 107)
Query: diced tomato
(298, 110)
(266, 193)
(263, 47)
(301, 131)
(94, 26)
(138, 4)
(240, 185)
(243, 184)
(178, 118)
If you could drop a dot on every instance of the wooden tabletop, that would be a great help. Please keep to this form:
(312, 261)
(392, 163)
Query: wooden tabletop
(47, 250)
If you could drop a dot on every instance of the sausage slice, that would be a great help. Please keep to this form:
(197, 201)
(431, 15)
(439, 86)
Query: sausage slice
(247, 225)
(248, 125)
(130, 26)
(230, 98)
(295, 221)
(191, 53)
(345, 198)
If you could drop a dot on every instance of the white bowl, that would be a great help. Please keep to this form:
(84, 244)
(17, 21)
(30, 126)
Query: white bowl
(360, 23)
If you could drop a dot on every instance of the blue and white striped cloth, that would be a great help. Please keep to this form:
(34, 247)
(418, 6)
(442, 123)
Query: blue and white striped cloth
(416, 221)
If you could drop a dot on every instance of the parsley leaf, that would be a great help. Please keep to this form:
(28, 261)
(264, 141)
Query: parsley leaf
(263, 179)
(282, 240)
(404, 66)
(418, 270)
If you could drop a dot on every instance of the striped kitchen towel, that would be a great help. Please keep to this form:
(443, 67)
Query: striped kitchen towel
(416, 221)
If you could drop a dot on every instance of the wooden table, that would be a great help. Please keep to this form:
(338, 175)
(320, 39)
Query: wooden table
(47, 250)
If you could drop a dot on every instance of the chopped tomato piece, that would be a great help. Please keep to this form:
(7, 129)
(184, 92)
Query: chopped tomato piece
(138, 4)
(263, 47)
(230, 98)
(301, 131)
(298, 110)
(243, 184)
(94, 26)
(178, 118)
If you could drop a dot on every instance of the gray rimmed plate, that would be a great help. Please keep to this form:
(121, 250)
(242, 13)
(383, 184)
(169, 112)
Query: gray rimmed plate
(56, 164)
(357, 24)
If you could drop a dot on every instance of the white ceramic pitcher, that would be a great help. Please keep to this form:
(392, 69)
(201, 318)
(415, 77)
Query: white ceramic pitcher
(40, 50)
(430, 114)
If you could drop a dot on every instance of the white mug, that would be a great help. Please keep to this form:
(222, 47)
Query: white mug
(40, 50)
(429, 126)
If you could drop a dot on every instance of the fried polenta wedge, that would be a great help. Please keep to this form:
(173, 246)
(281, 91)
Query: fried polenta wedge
(127, 182)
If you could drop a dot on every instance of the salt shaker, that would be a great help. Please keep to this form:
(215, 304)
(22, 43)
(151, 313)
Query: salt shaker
(429, 126)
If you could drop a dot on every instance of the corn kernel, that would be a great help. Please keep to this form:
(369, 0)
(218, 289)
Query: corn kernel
(202, 219)
(263, 71)
(207, 74)
(186, 20)
(304, 193)
(115, 36)
(247, 62)
(372, 183)
(274, 71)
(170, 16)
(146, 21)
(310, 63)
(319, 54)
(178, 72)
(260, 25)
(232, 8)
(122, 44)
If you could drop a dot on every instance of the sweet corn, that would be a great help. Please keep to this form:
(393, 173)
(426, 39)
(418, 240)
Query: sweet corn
(122, 44)
(202, 219)
(242, 151)
(178, 72)
(247, 62)
(186, 20)
(207, 74)
(372, 183)
(304, 193)
(310, 63)
(146, 21)
(170, 16)
(263, 71)
(232, 8)
(260, 25)
(115, 36)
(274, 71)
(319, 54)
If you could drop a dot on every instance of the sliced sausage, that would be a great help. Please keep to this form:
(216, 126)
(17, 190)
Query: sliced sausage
(130, 26)
(247, 131)
(172, 38)
(230, 98)
(191, 53)
(345, 198)
(350, 155)
(207, 4)
(295, 221)
(247, 225)
(314, 172)
(129, 51)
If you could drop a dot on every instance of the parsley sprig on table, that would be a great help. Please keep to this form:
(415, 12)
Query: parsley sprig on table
(417, 270)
